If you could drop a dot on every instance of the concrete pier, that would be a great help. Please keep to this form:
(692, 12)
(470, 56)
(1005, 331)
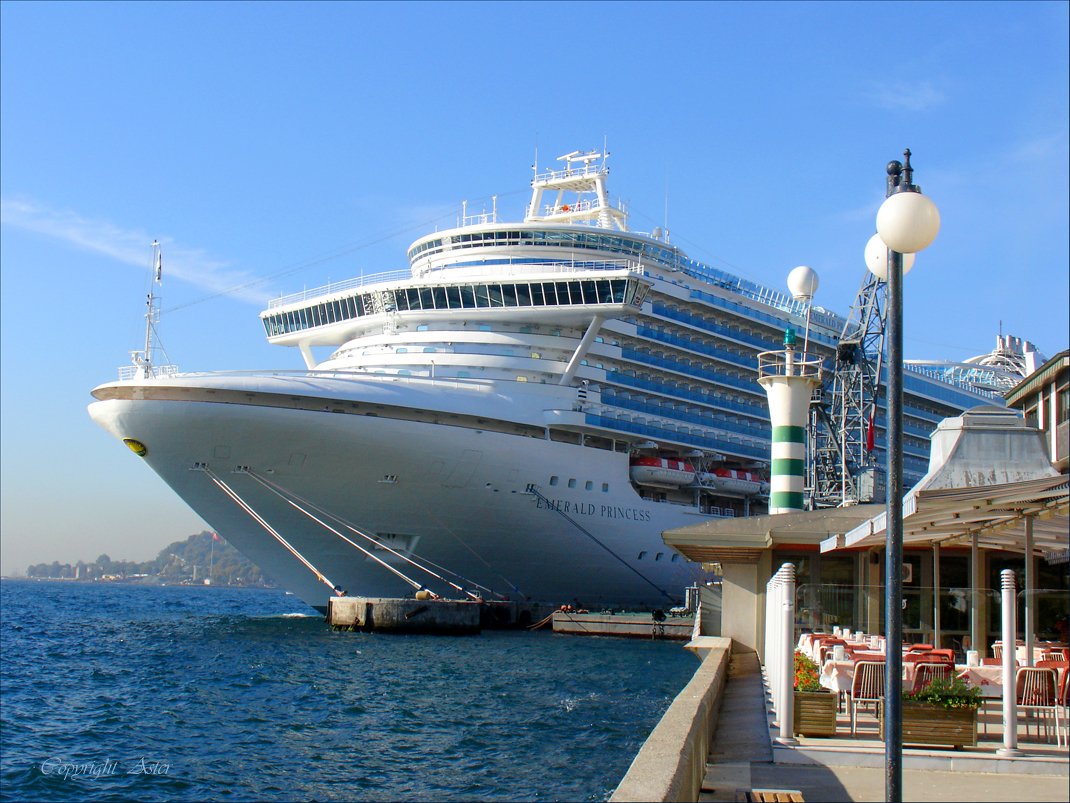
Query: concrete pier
(632, 625)
(441, 616)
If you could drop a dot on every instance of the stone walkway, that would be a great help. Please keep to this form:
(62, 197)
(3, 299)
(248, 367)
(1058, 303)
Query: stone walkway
(742, 757)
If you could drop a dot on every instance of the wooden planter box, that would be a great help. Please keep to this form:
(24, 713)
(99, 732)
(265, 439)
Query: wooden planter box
(924, 723)
(815, 713)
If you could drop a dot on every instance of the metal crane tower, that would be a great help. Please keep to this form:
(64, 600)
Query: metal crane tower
(843, 469)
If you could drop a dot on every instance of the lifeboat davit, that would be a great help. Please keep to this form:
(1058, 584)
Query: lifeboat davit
(663, 471)
(731, 481)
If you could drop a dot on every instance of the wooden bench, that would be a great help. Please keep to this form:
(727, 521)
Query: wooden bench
(769, 796)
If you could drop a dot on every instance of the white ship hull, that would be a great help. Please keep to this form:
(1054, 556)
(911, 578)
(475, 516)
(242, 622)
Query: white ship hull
(495, 411)
(456, 496)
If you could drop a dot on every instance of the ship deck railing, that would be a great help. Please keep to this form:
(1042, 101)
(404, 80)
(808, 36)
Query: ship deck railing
(338, 287)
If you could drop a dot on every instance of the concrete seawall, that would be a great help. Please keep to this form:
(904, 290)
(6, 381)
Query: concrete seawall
(672, 762)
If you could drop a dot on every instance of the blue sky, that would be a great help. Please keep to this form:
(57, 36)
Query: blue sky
(275, 146)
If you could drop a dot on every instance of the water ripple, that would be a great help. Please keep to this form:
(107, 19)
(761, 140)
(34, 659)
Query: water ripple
(186, 694)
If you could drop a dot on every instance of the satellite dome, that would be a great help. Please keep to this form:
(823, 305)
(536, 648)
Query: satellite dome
(803, 282)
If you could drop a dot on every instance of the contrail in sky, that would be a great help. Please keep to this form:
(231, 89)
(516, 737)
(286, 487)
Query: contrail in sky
(131, 247)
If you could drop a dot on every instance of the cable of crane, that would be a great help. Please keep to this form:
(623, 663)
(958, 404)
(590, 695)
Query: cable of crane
(284, 493)
(230, 492)
(277, 490)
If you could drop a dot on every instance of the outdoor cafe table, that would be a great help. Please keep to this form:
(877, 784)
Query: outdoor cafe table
(838, 676)
(810, 645)
(1039, 648)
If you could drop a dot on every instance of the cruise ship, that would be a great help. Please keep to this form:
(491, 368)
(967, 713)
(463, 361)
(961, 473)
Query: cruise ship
(520, 413)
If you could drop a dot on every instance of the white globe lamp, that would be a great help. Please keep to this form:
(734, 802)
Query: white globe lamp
(908, 222)
(877, 258)
(803, 283)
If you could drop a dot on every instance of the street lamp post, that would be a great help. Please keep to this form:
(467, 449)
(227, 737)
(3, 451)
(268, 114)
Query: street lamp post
(907, 222)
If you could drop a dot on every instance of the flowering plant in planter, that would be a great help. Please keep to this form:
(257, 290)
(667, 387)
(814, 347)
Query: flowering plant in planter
(947, 693)
(815, 706)
(806, 674)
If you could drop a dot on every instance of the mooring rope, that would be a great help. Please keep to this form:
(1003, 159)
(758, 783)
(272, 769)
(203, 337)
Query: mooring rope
(284, 494)
(230, 492)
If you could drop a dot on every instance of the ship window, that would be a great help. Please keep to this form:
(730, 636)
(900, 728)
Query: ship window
(413, 296)
(422, 327)
(549, 290)
(453, 297)
(572, 483)
(675, 556)
(482, 295)
(509, 295)
(588, 486)
(429, 349)
(468, 296)
(562, 293)
(463, 374)
(523, 295)
(484, 327)
(402, 350)
(590, 292)
(427, 300)
(642, 554)
(438, 295)
(521, 379)
(536, 295)
(658, 556)
(554, 480)
(605, 487)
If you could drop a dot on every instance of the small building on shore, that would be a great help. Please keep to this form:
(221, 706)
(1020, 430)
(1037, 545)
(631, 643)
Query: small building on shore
(990, 481)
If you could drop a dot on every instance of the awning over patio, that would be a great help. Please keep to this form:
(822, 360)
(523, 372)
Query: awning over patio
(996, 514)
(988, 474)
(743, 540)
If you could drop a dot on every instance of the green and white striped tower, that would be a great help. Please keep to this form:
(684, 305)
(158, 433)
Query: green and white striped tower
(789, 379)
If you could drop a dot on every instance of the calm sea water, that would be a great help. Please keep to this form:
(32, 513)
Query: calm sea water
(114, 692)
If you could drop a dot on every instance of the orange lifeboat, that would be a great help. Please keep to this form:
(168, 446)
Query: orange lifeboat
(732, 481)
(662, 471)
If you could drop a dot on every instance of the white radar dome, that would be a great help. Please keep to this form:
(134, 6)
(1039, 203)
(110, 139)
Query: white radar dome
(803, 282)
(877, 258)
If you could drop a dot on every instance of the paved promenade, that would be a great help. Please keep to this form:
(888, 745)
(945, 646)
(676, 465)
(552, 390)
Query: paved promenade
(742, 757)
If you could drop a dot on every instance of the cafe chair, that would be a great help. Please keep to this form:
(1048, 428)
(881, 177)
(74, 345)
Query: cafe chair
(926, 673)
(1035, 691)
(867, 688)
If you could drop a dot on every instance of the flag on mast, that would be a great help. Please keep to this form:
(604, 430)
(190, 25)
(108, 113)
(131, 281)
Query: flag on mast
(159, 263)
(871, 430)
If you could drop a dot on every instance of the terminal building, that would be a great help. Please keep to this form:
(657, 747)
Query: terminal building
(997, 480)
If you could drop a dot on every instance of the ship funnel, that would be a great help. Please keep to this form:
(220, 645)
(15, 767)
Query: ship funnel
(789, 379)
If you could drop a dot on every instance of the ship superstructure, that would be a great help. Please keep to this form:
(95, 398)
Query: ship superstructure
(530, 404)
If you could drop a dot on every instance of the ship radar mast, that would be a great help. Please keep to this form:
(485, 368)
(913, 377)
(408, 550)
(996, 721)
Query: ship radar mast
(143, 360)
(575, 194)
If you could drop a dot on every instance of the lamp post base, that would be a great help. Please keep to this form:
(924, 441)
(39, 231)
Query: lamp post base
(1009, 752)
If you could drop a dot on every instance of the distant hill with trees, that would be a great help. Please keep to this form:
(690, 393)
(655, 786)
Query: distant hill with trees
(200, 556)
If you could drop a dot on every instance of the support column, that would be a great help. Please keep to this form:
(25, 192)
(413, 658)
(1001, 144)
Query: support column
(1010, 703)
(1029, 623)
(936, 596)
